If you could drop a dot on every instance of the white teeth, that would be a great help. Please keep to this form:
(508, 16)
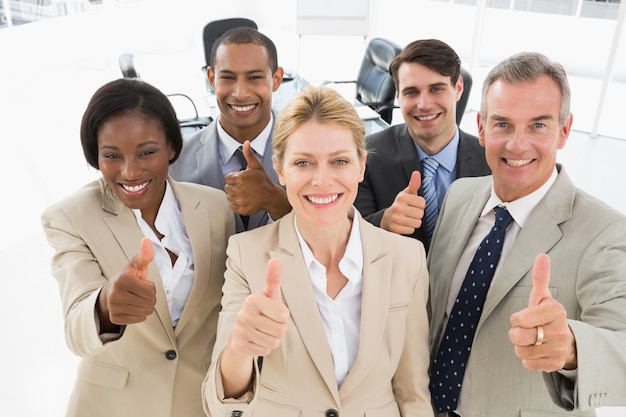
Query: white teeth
(518, 162)
(426, 118)
(324, 200)
(135, 188)
(243, 108)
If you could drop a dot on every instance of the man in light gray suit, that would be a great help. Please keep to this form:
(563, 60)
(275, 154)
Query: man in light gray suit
(234, 153)
(551, 334)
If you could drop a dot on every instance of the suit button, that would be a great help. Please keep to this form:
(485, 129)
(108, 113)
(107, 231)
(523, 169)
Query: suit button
(236, 413)
(332, 413)
(170, 355)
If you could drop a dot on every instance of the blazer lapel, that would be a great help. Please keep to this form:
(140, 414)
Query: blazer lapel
(299, 298)
(374, 307)
(209, 156)
(408, 154)
(195, 215)
(460, 231)
(129, 239)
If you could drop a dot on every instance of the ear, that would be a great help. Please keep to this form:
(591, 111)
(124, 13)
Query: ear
(279, 173)
(564, 132)
(171, 152)
(211, 75)
(363, 164)
(459, 87)
(277, 78)
(481, 130)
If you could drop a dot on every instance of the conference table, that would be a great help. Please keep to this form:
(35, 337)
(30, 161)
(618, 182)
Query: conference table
(293, 83)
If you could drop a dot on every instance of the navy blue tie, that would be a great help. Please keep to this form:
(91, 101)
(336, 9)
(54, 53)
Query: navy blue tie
(449, 364)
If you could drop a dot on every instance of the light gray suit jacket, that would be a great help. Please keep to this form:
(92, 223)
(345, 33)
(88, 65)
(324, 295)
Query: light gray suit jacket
(586, 241)
(389, 376)
(199, 162)
(152, 369)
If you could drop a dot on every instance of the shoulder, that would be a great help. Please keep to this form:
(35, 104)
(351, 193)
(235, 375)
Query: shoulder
(377, 139)
(389, 241)
(468, 139)
(81, 200)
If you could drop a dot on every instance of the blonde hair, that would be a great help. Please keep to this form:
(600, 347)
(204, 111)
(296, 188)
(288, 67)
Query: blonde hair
(321, 104)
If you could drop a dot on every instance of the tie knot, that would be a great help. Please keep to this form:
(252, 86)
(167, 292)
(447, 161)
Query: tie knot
(241, 158)
(430, 166)
(503, 217)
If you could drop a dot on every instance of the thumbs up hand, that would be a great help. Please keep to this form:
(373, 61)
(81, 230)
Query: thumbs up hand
(262, 321)
(128, 297)
(251, 190)
(406, 213)
(540, 334)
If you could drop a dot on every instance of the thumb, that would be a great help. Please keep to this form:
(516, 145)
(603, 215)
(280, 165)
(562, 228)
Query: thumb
(141, 261)
(541, 280)
(272, 279)
(248, 153)
(414, 183)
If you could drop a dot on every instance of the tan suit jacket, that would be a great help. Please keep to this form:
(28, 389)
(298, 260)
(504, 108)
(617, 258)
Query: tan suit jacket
(152, 369)
(586, 241)
(389, 376)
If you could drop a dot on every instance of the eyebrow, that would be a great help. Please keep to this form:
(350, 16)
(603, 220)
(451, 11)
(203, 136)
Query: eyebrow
(231, 72)
(540, 118)
(142, 144)
(439, 84)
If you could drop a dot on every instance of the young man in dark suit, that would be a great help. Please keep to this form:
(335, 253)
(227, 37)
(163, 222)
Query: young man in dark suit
(428, 84)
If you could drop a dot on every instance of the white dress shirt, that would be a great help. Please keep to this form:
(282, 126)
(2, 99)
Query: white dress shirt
(178, 278)
(228, 145)
(341, 316)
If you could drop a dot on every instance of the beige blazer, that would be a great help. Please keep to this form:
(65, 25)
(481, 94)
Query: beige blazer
(389, 376)
(586, 240)
(152, 369)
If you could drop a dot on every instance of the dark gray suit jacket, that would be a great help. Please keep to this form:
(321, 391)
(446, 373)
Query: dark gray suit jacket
(199, 162)
(393, 157)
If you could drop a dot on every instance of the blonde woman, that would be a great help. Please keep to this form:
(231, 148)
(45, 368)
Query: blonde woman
(336, 306)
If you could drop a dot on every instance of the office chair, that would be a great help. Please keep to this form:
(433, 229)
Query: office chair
(188, 124)
(467, 88)
(217, 28)
(374, 85)
(127, 66)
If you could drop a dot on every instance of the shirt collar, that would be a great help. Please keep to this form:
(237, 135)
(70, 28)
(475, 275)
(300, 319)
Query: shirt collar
(445, 157)
(228, 145)
(168, 206)
(351, 265)
(521, 208)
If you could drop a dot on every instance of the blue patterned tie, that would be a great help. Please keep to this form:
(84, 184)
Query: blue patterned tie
(449, 364)
(430, 195)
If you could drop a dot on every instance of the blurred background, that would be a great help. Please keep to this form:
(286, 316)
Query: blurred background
(54, 54)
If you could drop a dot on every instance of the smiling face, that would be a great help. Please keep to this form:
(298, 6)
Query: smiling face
(243, 84)
(427, 100)
(321, 171)
(521, 134)
(133, 156)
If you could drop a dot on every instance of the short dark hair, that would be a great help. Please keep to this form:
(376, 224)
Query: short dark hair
(243, 36)
(431, 53)
(123, 96)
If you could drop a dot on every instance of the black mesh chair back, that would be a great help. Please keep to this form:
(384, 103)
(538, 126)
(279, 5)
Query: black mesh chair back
(217, 28)
(467, 88)
(374, 85)
(126, 62)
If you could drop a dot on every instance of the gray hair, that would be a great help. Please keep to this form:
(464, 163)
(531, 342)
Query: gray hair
(529, 66)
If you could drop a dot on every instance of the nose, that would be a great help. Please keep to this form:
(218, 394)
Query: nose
(241, 89)
(423, 101)
(517, 142)
(130, 169)
(322, 175)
